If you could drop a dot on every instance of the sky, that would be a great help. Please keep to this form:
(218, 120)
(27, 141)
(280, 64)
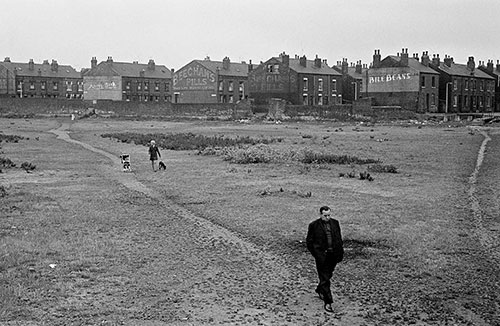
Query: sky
(173, 33)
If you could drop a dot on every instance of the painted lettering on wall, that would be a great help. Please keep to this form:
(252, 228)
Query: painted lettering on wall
(389, 77)
(193, 77)
(102, 85)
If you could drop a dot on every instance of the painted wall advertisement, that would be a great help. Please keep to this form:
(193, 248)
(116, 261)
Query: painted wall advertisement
(389, 80)
(102, 88)
(194, 77)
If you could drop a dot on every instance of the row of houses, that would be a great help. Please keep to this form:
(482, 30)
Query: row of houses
(418, 83)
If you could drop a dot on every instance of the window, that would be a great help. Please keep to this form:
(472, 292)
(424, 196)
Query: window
(80, 86)
(273, 68)
(488, 101)
(433, 99)
(167, 87)
(320, 84)
(433, 81)
(466, 84)
(231, 99)
(305, 86)
(466, 101)
(69, 86)
(43, 85)
(455, 100)
(127, 85)
(55, 86)
(304, 99)
(32, 85)
(241, 87)
(455, 84)
(231, 86)
(422, 81)
(157, 86)
(320, 99)
(146, 85)
(221, 86)
(139, 86)
(334, 85)
(270, 68)
(481, 85)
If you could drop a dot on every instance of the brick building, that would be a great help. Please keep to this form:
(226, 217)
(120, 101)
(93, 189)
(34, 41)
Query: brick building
(399, 80)
(30, 79)
(463, 88)
(124, 81)
(352, 79)
(207, 81)
(494, 72)
(298, 81)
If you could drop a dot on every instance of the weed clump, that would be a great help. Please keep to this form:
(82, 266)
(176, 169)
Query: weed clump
(6, 162)
(381, 168)
(311, 157)
(10, 138)
(28, 166)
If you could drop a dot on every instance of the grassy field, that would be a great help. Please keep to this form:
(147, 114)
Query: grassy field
(209, 241)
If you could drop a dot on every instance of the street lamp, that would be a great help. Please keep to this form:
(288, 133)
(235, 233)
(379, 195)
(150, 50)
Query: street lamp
(447, 96)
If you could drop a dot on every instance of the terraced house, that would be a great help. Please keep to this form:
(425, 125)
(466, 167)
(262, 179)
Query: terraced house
(30, 79)
(463, 88)
(297, 81)
(124, 81)
(494, 72)
(207, 81)
(399, 80)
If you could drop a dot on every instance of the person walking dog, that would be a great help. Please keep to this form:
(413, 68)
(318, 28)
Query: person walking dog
(324, 242)
(154, 153)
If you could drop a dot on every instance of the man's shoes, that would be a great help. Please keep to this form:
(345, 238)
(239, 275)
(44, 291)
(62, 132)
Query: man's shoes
(328, 307)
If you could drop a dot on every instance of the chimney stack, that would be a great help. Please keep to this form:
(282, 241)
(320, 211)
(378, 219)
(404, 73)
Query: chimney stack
(285, 58)
(471, 65)
(415, 56)
(110, 59)
(93, 63)
(250, 65)
(425, 58)
(435, 60)
(404, 57)
(448, 60)
(303, 61)
(31, 65)
(345, 66)
(489, 67)
(225, 63)
(317, 62)
(151, 64)
(7, 59)
(376, 59)
(54, 66)
(359, 67)
(498, 65)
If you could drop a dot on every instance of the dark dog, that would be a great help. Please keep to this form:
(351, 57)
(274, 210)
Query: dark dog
(162, 166)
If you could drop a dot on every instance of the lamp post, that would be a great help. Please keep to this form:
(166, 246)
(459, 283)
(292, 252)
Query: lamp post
(447, 96)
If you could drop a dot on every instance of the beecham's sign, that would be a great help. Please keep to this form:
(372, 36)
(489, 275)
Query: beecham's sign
(388, 78)
(194, 77)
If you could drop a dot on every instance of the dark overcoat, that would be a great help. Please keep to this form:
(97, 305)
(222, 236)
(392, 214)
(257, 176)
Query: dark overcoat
(317, 242)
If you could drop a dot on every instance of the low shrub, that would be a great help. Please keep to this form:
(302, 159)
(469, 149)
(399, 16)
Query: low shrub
(10, 138)
(319, 157)
(3, 191)
(6, 162)
(187, 141)
(28, 166)
(383, 168)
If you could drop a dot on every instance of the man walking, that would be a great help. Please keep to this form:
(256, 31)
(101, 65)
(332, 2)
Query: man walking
(324, 241)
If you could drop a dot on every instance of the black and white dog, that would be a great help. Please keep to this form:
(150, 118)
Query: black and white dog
(161, 166)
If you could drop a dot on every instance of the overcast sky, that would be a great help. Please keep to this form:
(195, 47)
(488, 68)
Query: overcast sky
(175, 32)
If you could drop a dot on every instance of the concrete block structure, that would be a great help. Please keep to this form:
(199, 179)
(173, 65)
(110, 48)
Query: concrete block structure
(207, 81)
(296, 80)
(30, 79)
(124, 81)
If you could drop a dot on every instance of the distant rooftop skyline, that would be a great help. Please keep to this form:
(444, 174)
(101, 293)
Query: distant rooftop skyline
(173, 33)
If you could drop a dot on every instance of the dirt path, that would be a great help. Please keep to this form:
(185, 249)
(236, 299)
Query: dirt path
(486, 232)
(232, 281)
